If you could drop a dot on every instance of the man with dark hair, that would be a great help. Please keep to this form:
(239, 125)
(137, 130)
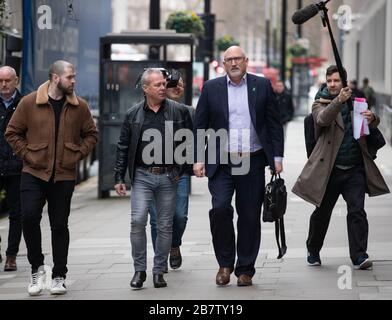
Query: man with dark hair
(10, 164)
(369, 93)
(153, 172)
(284, 103)
(339, 165)
(357, 93)
(51, 130)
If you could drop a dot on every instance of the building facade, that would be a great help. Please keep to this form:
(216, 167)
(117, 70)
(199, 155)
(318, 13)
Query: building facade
(368, 45)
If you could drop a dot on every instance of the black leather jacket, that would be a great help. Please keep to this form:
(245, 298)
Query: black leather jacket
(10, 163)
(131, 130)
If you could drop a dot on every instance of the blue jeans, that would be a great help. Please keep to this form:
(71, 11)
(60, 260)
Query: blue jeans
(180, 215)
(148, 187)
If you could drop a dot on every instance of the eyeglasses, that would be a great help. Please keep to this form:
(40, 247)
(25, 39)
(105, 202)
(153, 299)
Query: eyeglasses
(234, 59)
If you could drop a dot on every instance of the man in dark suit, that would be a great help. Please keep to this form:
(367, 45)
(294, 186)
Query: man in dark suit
(243, 106)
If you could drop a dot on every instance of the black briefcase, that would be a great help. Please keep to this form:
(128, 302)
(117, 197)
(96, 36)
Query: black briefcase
(275, 204)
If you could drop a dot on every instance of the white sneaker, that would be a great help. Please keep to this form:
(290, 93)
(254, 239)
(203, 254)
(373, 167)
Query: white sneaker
(37, 282)
(58, 286)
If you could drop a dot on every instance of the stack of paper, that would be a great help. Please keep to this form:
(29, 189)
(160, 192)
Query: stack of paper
(361, 126)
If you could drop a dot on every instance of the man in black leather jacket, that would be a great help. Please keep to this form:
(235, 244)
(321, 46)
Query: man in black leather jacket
(146, 148)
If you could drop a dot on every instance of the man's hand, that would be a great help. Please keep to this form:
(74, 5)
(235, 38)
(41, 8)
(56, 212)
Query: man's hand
(369, 116)
(121, 189)
(345, 94)
(199, 170)
(278, 167)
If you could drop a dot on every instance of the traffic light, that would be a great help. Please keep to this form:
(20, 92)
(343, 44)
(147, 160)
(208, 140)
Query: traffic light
(205, 48)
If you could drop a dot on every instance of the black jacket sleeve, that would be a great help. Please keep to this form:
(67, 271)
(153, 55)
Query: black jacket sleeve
(121, 165)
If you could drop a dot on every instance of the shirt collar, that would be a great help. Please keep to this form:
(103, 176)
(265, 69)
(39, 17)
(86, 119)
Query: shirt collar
(145, 107)
(243, 81)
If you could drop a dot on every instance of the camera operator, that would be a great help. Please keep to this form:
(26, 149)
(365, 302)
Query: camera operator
(152, 179)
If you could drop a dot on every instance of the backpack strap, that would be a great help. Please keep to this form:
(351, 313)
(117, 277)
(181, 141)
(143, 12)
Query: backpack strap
(279, 229)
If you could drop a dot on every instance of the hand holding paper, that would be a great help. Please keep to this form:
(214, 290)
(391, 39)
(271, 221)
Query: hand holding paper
(360, 126)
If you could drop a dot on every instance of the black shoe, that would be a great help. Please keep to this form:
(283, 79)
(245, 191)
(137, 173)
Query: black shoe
(138, 279)
(175, 258)
(314, 260)
(158, 280)
(363, 263)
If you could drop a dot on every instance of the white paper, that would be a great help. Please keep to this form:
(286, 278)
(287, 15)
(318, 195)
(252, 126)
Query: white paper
(359, 120)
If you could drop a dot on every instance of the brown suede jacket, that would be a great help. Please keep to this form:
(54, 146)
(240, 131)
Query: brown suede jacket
(31, 134)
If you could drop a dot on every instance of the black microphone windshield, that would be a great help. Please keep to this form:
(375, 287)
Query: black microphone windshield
(304, 14)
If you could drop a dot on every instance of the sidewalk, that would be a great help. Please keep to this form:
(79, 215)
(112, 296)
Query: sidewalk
(100, 257)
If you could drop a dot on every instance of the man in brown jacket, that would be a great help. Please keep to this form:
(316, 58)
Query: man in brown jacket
(51, 130)
(339, 165)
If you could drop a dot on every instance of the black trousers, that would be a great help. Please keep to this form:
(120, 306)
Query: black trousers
(11, 185)
(351, 184)
(249, 195)
(34, 194)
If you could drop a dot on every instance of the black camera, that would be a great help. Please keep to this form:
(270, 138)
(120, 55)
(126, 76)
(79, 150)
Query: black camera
(172, 78)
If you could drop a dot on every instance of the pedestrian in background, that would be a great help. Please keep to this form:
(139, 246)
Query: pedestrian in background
(10, 164)
(182, 198)
(356, 92)
(245, 106)
(339, 165)
(284, 102)
(369, 93)
(153, 178)
(51, 130)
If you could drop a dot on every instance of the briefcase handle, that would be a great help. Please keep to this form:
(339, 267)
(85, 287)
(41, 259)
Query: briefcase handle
(275, 176)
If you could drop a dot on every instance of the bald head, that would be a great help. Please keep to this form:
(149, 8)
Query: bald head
(236, 50)
(235, 63)
(9, 71)
(8, 82)
(62, 78)
(59, 67)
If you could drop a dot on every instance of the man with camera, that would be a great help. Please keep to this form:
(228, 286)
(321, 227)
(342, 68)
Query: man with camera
(152, 170)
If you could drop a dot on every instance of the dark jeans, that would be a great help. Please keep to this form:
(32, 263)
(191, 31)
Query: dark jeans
(249, 196)
(34, 194)
(351, 184)
(180, 215)
(11, 185)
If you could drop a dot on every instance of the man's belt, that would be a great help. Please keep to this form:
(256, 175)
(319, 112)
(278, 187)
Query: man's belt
(245, 154)
(158, 170)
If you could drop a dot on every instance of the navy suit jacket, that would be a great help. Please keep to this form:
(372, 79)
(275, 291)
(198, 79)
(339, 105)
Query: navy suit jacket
(212, 112)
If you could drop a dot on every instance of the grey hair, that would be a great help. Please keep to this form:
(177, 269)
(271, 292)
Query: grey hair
(10, 70)
(145, 79)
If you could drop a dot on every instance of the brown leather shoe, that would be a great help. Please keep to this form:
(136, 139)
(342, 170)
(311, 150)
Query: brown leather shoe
(244, 280)
(223, 276)
(10, 264)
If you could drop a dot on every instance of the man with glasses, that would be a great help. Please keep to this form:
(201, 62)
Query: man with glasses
(244, 105)
(51, 130)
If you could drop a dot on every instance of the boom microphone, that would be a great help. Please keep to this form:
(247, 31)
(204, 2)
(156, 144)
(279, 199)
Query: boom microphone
(304, 14)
